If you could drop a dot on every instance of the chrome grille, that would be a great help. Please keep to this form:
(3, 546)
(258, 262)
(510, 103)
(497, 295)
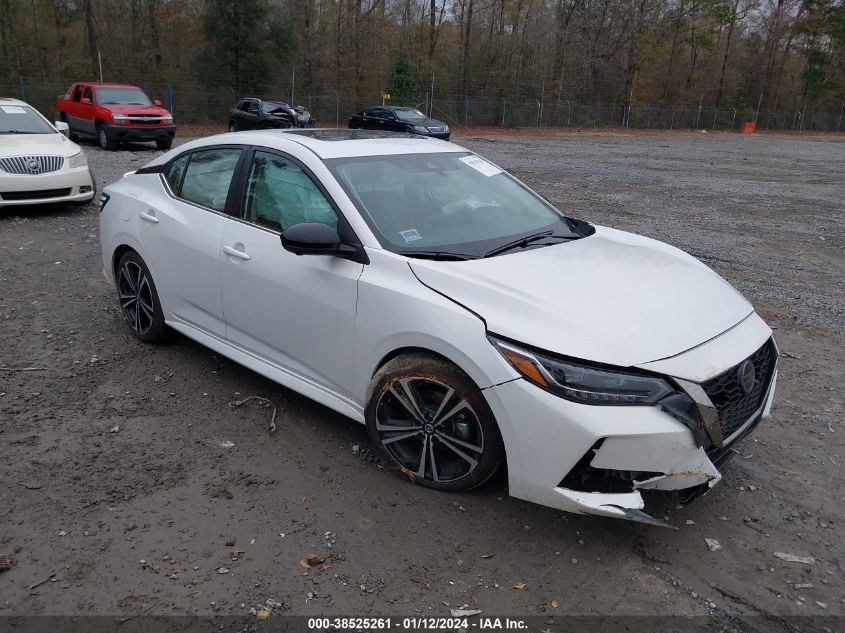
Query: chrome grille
(31, 165)
(733, 405)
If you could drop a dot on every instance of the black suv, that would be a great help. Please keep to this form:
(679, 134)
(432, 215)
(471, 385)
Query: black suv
(255, 114)
(396, 119)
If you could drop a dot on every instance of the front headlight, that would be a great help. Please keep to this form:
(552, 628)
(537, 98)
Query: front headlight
(421, 129)
(119, 118)
(167, 118)
(77, 160)
(582, 382)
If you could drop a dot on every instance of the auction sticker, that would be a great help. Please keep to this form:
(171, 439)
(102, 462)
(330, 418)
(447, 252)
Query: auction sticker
(13, 110)
(481, 165)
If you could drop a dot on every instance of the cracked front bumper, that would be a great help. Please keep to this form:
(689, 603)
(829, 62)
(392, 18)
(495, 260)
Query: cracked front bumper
(547, 438)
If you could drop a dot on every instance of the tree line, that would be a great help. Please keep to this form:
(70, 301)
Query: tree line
(751, 54)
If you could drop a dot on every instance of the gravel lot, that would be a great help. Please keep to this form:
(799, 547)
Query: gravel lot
(117, 492)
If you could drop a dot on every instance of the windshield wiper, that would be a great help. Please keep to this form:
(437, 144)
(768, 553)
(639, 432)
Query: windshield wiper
(525, 241)
(441, 255)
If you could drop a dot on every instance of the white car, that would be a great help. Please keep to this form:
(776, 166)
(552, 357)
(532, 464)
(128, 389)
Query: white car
(38, 163)
(419, 289)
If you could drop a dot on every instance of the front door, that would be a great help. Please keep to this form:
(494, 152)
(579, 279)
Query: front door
(295, 312)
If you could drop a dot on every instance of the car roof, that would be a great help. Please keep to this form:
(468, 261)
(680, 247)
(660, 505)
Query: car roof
(329, 143)
(107, 85)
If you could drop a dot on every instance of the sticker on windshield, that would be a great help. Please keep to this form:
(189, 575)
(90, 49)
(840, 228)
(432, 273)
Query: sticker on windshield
(410, 235)
(13, 110)
(481, 165)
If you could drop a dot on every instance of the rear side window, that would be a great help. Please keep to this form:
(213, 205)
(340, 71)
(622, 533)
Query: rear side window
(175, 172)
(208, 176)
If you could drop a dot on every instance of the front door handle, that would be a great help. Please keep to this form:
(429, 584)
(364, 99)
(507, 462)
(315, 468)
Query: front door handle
(234, 252)
(149, 216)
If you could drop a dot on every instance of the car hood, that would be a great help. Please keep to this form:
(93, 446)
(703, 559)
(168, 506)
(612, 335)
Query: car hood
(46, 144)
(123, 108)
(427, 122)
(612, 297)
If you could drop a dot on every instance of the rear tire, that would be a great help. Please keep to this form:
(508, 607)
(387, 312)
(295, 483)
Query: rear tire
(428, 419)
(233, 126)
(139, 300)
(164, 142)
(105, 139)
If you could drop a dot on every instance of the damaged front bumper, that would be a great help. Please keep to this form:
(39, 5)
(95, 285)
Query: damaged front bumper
(598, 459)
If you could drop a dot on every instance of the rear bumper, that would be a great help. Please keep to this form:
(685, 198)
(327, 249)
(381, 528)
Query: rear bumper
(68, 185)
(140, 133)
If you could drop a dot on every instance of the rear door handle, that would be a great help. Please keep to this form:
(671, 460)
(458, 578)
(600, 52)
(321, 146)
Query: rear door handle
(234, 252)
(149, 216)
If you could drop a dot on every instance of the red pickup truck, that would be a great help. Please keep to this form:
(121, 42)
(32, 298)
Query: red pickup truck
(113, 114)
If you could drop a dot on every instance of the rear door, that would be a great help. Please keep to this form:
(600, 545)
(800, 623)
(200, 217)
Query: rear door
(181, 225)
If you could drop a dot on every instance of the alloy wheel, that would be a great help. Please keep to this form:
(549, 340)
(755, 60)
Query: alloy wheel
(429, 429)
(136, 297)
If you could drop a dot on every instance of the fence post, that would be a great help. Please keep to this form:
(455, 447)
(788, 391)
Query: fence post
(733, 120)
(839, 122)
(569, 112)
(672, 124)
(503, 112)
(466, 110)
(169, 98)
(715, 114)
(336, 109)
(22, 85)
(648, 124)
(539, 106)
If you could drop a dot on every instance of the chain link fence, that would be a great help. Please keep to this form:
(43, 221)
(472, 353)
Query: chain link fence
(333, 109)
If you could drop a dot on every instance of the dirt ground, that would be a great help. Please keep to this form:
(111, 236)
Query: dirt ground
(119, 496)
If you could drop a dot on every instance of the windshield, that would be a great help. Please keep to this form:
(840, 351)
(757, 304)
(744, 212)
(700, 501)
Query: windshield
(447, 202)
(408, 114)
(123, 96)
(22, 119)
(273, 107)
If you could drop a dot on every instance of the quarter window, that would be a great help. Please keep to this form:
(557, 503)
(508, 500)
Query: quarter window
(208, 176)
(175, 171)
(280, 194)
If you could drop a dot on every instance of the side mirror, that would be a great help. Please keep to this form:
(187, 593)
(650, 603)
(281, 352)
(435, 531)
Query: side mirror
(157, 102)
(63, 127)
(315, 238)
(311, 238)
(85, 101)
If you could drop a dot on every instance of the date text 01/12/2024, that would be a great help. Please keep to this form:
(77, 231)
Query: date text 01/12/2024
(410, 624)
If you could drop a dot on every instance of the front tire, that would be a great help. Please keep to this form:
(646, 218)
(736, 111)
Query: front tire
(164, 143)
(139, 300)
(105, 140)
(430, 420)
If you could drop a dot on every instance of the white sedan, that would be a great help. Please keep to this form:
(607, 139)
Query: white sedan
(421, 290)
(38, 163)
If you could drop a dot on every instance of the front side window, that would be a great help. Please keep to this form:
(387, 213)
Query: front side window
(87, 94)
(252, 107)
(451, 202)
(280, 194)
(208, 176)
(77, 94)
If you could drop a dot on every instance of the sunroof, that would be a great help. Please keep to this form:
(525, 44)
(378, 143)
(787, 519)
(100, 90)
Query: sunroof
(341, 134)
